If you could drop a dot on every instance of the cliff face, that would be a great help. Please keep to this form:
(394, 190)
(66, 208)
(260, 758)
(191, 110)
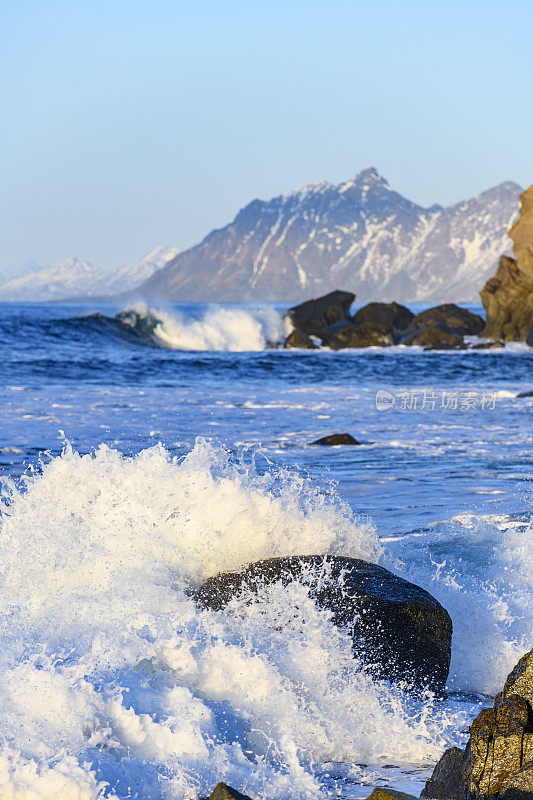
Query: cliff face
(508, 296)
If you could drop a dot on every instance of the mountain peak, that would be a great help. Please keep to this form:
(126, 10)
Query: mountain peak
(366, 179)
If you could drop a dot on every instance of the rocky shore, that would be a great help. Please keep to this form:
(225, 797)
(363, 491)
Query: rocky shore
(497, 763)
(327, 321)
(507, 298)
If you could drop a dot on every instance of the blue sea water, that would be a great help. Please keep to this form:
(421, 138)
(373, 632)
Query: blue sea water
(207, 462)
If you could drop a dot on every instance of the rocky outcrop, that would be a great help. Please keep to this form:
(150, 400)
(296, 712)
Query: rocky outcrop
(394, 317)
(224, 792)
(508, 296)
(337, 438)
(300, 341)
(345, 334)
(434, 337)
(380, 325)
(454, 317)
(498, 760)
(400, 632)
(390, 794)
(313, 316)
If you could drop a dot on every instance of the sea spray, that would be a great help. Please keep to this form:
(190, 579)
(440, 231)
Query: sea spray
(481, 569)
(228, 329)
(113, 681)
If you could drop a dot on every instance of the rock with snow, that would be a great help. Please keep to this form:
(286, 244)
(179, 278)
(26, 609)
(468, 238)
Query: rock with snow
(359, 233)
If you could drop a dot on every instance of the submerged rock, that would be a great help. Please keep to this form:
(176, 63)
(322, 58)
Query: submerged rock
(313, 316)
(508, 296)
(337, 438)
(400, 632)
(498, 759)
(299, 340)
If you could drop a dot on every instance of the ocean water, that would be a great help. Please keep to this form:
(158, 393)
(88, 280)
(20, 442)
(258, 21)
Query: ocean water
(142, 450)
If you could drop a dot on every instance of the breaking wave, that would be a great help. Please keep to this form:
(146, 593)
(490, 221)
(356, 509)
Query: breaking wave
(112, 677)
(228, 329)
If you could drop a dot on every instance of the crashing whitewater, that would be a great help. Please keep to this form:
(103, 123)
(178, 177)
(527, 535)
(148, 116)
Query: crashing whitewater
(112, 677)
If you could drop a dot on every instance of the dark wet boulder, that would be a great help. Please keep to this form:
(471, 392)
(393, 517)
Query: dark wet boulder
(298, 340)
(447, 780)
(400, 632)
(337, 438)
(529, 338)
(450, 316)
(433, 336)
(393, 317)
(313, 316)
(342, 335)
(497, 763)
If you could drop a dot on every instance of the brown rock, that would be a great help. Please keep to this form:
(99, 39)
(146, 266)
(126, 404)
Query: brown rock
(447, 781)
(435, 336)
(337, 438)
(345, 334)
(392, 316)
(390, 794)
(508, 296)
(299, 340)
(224, 792)
(498, 760)
(458, 319)
(313, 316)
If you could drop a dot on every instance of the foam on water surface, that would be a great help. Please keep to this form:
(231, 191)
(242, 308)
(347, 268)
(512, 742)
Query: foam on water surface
(228, 329)
(115, 684)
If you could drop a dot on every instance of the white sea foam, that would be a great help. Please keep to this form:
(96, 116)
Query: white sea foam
(230, 329)
(111, 675)
(481, 569)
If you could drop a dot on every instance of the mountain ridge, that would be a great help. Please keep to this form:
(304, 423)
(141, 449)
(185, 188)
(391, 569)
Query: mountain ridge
(361, 234)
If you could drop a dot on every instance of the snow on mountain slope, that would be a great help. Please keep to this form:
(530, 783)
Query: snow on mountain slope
(77, 278)
(71, 277)
(128, 277)
(359, 235)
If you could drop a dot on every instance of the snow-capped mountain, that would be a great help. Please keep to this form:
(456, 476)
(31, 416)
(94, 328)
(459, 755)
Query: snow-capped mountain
(359, 235)
(71, 277)
(78, 278)
(128, 277)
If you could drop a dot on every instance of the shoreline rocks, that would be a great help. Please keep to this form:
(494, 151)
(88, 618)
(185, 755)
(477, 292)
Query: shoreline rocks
(381, 325)
(497, 763)
(508, 295)
(399, 631)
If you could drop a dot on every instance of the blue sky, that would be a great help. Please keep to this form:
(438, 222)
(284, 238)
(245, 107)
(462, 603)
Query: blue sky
(131, 124)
